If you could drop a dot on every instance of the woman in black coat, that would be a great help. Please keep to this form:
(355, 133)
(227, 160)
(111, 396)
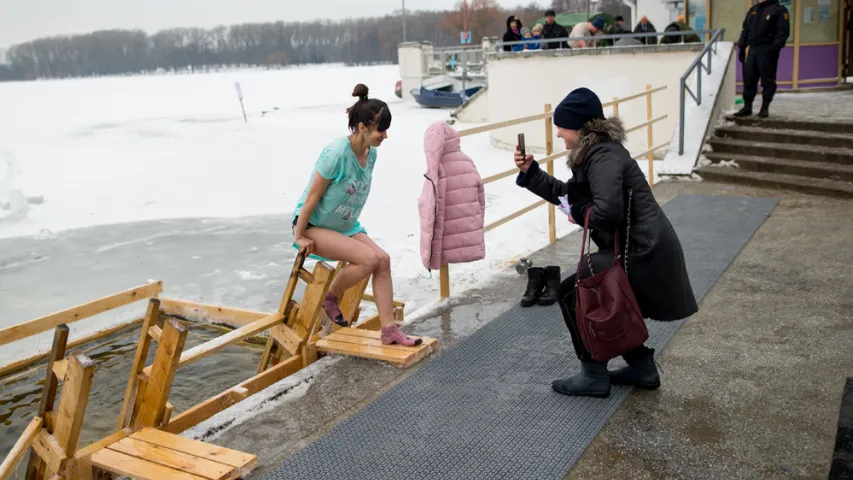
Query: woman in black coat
(512, 33)
(603, 174)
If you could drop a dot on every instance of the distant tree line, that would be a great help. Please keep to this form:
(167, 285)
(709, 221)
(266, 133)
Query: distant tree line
(272, 45)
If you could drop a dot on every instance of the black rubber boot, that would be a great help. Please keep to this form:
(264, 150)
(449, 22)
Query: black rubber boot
(764, 112)
(641, 371)
(535, 283)
(744, 112)
(552, 281)
(591, 382)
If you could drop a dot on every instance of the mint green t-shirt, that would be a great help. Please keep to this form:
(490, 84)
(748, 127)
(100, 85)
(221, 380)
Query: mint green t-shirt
(347, 193)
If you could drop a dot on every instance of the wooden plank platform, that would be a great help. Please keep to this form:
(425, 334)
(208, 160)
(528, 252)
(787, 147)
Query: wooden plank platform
(154, 454)
(362, 343)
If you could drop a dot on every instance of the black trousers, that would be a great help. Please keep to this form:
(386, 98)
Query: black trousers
(761, 64)
(566, 301)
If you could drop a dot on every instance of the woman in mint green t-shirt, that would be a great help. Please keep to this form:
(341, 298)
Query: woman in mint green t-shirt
(325, 221)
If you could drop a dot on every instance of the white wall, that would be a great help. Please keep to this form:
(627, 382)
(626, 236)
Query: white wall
(476, 110)
(412, 62)
(3, 55)
(520, 85)
(657, 12)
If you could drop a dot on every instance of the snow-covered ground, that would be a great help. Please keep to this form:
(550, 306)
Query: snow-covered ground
(125, 149)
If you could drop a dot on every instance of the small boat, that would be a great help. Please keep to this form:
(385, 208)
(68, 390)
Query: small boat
(442, 99)
(445, 91)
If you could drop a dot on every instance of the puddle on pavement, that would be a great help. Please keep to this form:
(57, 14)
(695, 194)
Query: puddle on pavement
(20, 393)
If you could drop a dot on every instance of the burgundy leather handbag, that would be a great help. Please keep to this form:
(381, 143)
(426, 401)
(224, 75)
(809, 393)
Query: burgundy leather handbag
(606, 310)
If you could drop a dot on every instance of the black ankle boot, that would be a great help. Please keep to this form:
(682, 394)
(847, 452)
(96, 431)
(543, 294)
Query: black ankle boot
(641, 371)
(744, 112)
(764, 112)
(535, 283)
(552, 282)
(591, 382)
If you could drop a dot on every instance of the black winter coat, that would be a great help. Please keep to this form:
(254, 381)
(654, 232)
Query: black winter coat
(766, 23)
(509, 35)
(649, 29)
(555, 30)
(602, 173)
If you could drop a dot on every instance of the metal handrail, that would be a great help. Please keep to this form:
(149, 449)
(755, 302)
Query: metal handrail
(680, 33)
(710, 48)
(550, 114)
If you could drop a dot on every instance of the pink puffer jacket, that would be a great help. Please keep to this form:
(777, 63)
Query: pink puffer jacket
(452, 204)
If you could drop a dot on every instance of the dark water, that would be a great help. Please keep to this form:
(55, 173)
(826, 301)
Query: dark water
(20, 393)
(241, 262)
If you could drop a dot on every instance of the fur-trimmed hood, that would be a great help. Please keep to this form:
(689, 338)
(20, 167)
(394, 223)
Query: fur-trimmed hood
(595, 132)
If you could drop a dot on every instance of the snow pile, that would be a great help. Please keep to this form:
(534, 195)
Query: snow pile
(271, 398)
(698, 117)
(13, 203)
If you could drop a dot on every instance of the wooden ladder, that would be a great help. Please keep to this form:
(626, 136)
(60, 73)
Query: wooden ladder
(300, 332)
(290, 338)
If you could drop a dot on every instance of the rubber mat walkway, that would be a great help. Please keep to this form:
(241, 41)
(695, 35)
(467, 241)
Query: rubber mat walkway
(484, 408)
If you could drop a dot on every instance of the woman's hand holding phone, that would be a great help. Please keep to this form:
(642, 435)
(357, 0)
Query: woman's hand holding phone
(522, 161)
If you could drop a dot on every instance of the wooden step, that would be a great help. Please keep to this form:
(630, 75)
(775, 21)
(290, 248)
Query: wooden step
(785, 136)
(157, 455)
(816, 186)
(357, 342)
(831, 171)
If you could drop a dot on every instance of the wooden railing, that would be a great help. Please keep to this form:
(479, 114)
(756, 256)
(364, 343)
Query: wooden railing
(550, 156)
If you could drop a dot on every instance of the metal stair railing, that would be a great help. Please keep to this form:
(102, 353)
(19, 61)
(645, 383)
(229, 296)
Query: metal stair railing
(710, 49)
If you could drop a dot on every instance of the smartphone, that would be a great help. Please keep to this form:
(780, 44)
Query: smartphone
(521, 144)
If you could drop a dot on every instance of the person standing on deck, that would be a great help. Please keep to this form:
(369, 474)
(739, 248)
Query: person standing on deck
(512, 34)
(586, 29)
(645, 26)
(552, 29)
(325, 220)
(765, 31)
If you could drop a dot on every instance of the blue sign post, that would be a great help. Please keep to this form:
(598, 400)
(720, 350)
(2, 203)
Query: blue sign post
(464, 37)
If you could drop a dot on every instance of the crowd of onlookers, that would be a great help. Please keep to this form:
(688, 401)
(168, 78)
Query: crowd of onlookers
(537, 38)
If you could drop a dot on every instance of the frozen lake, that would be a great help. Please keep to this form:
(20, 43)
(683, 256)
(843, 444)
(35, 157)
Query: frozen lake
(118, 150)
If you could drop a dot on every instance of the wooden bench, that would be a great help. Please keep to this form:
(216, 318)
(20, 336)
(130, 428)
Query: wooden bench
(157, 455)
(362, 343)
(360, 339)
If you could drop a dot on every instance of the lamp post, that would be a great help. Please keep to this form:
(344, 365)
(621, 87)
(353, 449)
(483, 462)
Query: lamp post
(404, 20)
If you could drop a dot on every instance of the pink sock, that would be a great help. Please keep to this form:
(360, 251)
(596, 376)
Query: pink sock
(333, 310)
(393, 334)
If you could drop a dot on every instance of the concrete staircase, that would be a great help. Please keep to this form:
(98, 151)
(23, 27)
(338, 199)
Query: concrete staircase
(807, 156)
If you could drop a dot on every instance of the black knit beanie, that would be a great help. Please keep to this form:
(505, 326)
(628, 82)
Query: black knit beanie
(579, 107)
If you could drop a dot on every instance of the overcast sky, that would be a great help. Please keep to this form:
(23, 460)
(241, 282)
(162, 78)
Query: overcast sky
(23, 20)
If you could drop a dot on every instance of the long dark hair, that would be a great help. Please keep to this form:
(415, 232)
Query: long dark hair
(369, 111)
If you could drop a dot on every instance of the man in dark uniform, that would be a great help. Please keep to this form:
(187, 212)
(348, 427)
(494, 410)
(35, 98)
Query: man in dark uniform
(552, 29)
(765, 31)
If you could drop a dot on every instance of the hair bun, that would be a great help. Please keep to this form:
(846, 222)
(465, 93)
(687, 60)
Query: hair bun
(360, 91)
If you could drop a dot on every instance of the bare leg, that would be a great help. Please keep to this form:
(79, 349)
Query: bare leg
(383, 293)
(361, 262)
(347, 277)
(383, 289)
(361, 259)
(364, 257)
